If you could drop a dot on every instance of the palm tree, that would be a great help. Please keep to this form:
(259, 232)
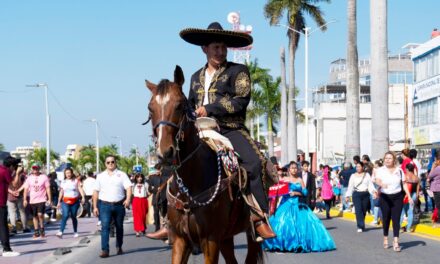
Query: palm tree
(257, 74)
(296, 9)
(267, 98)
(352, 144)
(39, 155)
(379, 78)
(2, 147)
(283, 121)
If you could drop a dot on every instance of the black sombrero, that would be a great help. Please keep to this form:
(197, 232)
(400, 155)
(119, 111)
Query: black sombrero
(215, 32)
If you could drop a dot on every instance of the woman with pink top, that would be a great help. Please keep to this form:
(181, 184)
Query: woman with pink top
(38, 187)
(69, 199)
(434, 183)
(327, 191)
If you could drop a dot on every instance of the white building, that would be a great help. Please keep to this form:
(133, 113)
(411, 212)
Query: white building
(426, 59)
(72, 152)
(24, 151)
(330, 110)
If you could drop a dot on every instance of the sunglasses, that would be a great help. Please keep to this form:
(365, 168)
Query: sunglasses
(110, 162)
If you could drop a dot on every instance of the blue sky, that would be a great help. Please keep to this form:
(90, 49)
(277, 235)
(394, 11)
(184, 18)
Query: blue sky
(95, 55)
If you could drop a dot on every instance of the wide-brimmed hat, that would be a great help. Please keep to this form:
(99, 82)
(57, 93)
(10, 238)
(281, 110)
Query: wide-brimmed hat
(216, 33)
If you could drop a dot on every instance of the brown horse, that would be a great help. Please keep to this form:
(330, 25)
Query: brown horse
(200, 211)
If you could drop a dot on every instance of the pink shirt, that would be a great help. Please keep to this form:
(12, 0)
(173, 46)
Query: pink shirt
(37, 188)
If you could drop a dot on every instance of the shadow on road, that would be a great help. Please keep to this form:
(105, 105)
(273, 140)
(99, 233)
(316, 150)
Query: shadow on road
(158, 249)
(410, 244)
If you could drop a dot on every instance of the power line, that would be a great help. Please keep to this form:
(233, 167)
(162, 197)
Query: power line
(62, 107)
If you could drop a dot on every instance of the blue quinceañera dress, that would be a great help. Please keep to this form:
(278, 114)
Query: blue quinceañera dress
(297, 228)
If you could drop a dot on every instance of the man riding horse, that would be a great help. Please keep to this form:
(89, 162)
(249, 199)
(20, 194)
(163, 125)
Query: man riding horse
(222, 90)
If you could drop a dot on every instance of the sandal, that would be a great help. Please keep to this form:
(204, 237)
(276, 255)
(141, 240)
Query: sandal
(137, 234)
(385, 244)
(396, 247)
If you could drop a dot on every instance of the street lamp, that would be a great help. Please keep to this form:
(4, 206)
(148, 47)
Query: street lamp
(306, 34)
(137, 154)
(44, 85)
(120, 144)
(94, 120)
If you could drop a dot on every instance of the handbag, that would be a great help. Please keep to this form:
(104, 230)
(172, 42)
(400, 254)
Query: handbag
(70, 200)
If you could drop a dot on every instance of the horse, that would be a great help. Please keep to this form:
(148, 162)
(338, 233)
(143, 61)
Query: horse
(201, 212)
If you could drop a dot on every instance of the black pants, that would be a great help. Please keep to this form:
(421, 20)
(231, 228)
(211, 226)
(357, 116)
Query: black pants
(88, 205)
(437, 204)
(4, 230)
(328, 205)
(361, 201)
(251, 159)
(391, 206)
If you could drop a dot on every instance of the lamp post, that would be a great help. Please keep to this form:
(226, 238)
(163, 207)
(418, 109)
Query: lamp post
(120, 144)
(137, 154)
(306, 34)
(44, 85)
(94, 120)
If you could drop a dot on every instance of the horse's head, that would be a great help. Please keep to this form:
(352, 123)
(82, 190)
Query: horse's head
(168, 110)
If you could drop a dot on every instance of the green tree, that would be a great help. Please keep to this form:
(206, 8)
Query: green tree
(39, 155)
(267, 98)
(2, 147)
(296, 9)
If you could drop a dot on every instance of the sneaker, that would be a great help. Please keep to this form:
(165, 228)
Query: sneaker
(374, 223)
(359, 230)
(59, 234)
(75, 235)
(10, 254)
(53, 219)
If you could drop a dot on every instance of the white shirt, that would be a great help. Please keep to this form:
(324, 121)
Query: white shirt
(88, 186)
(304, 177)
(111, 188)
(360, 184)
(208, 79)
(70, 188)
(140, 190)
(391, 180)
(419, 167)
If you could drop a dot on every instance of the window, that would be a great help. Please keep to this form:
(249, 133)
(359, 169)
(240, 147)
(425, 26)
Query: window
(426, 112)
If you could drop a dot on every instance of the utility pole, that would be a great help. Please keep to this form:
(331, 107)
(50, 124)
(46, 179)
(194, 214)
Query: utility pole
(44, 85)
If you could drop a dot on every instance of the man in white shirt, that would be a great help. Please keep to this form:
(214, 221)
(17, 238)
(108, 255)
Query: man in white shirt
(113, 189)
(88, 187)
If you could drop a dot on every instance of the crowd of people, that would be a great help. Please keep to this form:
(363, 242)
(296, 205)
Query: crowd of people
(42, 197)
(389, 189)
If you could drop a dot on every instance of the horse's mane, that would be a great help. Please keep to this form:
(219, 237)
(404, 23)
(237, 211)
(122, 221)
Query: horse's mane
(162, 87)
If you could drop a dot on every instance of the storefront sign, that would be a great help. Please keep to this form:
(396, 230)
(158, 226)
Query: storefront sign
(427, 89)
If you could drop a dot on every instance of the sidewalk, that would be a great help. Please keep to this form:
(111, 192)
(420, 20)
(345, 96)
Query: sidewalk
(419, 229)
(35, 250)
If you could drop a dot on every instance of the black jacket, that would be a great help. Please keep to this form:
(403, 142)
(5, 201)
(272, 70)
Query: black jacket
(228, 95)
(311, 190)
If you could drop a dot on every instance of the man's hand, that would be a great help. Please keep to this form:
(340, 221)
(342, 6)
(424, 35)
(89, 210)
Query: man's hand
(96, 212)
(126, 203)
(201, 112)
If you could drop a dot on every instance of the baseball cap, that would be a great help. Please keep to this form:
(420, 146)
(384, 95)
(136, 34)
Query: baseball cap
(36, 165)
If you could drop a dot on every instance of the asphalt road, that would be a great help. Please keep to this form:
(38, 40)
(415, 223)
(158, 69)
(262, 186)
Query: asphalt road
(352, 247)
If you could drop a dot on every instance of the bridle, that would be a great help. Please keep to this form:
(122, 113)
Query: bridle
(187, 117)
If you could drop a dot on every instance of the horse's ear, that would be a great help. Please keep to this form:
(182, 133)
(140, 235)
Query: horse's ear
(178, 76)
(151, 86)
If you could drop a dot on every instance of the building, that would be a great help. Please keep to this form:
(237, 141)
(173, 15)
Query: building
(329, 113)
(426, 59)
(72, 152)
(24, 151)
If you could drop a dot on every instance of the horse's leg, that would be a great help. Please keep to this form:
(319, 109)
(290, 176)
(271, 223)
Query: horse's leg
(255, 251)
(211, 251)
(181, 251)
(227, 250)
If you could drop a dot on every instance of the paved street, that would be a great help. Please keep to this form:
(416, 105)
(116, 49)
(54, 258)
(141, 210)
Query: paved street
(351, 248)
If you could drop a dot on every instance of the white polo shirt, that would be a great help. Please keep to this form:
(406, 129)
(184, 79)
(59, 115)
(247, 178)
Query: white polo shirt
(111, 188)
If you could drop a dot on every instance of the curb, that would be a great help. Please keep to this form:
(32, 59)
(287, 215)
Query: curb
(419, 228)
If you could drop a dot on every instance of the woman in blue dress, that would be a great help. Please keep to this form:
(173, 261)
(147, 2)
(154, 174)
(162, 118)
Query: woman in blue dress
(297, 228)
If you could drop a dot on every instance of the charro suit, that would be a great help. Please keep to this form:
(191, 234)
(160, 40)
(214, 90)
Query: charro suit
(229, 94)
(310, 198)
